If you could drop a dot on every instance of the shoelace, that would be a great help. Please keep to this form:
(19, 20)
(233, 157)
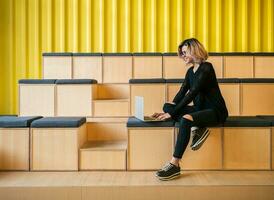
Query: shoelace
(167, 167)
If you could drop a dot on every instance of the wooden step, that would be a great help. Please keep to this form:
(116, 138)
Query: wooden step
(192, 185)
(103, 155)
(111, 108)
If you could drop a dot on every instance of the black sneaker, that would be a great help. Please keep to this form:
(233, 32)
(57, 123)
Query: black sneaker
(199, 137)
(168, 172)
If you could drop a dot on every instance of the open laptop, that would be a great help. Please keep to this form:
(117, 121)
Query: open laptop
(139, 111)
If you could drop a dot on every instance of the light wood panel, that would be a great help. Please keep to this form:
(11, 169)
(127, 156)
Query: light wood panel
(75, 100)
(57, 67)
(87, 67)
(247, 148)
(149, 148)
(209, 156)
(111, 108)
(174, 67)
(264, 66)
(231, 95)
(238, 67)
(38, 99)
(217, 62)
(172, 90)
(103, 156)
(117, 69)
(147, 67)
(154, 97)
(107, 131)
(113, 91)
(257, 99)
(14, 148)
(56, 148)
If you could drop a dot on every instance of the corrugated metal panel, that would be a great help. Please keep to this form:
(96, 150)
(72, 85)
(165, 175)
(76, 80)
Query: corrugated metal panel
(32, 27)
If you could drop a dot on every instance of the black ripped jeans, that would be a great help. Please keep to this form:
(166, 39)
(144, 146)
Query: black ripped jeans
(201, 118)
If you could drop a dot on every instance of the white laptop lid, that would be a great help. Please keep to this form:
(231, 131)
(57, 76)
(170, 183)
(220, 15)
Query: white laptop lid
(139, 107)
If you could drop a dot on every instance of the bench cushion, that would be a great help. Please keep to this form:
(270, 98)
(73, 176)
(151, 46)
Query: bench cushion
(58, 122)
(145, 81)
(246, 121)
(37, 81)
(134, 122)
(117, 54)
(58, 54)
(257, 80)
(87, 54)
(148, 54)
(17, 122)
(228, 80)
(175, 80)
(76, 81)
(268, 118)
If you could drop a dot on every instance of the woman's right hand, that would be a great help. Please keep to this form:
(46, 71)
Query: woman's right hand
(156, 115)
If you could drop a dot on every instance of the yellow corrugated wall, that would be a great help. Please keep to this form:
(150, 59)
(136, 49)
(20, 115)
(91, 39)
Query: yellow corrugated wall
(30, 27)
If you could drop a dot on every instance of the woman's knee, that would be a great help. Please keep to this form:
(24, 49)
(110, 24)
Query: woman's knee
(188, 117)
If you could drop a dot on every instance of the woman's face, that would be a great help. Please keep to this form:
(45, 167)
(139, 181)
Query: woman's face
(186, 56)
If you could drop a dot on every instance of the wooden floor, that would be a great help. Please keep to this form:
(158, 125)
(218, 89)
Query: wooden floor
(192, 185)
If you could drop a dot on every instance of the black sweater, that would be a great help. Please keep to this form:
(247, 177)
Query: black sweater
(203, 90)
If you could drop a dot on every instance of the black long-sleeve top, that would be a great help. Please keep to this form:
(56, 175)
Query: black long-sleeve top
(203, 90)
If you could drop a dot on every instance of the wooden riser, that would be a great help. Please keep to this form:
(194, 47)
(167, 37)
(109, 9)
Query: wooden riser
(57, 67)
(111, 108)
(102, 155)
(136, 186)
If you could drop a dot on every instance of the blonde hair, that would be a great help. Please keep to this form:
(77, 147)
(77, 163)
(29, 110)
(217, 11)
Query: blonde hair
(195, 48)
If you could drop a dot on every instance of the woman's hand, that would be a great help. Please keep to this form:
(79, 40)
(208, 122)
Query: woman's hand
(156, 115)
(164, 116)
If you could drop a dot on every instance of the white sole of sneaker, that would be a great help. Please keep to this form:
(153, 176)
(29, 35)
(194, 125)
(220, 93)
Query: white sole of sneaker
(199, 143)
(169, 177)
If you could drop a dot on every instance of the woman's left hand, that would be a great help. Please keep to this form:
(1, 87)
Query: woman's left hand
(164, 116)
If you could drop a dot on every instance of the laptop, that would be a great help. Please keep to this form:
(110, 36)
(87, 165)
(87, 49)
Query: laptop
(139, 111)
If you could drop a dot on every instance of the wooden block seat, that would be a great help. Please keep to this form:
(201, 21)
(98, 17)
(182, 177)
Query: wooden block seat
(87, 66)
(14, 142)
(103, 155)
(55, 142)
(150, 144)
(247, 143)
(153, 91)
(57, 65)
(173, 66)
(37, 97)
(257, 96)
(117, 67)
(74, 97)
(147, 65)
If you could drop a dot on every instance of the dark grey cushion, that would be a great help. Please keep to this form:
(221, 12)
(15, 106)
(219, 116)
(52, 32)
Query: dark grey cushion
(228, 80)
(58, 122)
(175, 80)
(145, 81)
(117, 54)
(148, 54)
(16, 122)
(257, 80)
(177, 125)
(268, 118)
(246, 121)
(134, 122)
(58, 54)
(37, 81)
(76, 81)
(170, 54)
(87, 54)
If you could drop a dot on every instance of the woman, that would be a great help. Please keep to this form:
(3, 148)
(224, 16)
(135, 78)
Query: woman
(209, 109)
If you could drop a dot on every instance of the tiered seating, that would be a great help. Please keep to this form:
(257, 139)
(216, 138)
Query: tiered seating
(14, 142)
(157, 77)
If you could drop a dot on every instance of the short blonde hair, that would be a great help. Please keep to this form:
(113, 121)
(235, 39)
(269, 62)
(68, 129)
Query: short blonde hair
(196, 49)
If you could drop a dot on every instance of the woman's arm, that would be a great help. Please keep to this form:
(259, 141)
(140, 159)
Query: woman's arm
(183, 90)
(200, 82)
